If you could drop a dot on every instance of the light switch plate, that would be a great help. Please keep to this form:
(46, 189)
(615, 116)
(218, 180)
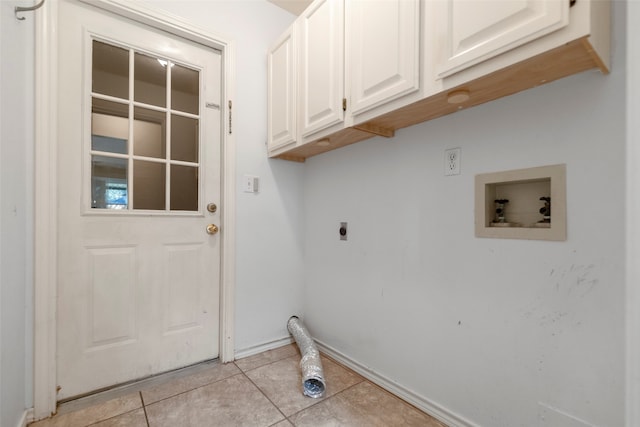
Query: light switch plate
(251, 184)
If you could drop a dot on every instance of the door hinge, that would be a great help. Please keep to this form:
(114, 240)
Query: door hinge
(344, 104)
(230, 117)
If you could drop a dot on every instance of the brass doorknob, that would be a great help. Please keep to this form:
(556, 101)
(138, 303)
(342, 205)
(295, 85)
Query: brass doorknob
(212, 229)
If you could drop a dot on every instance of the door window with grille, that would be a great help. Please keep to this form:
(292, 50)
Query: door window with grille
(145, 131)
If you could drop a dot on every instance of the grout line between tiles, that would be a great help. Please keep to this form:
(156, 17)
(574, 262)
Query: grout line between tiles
(110, 418)
(262, 366)
(144, 408)
(195, 388)
(267, 397)
(324, 400)
(266, 364)
(317, 402)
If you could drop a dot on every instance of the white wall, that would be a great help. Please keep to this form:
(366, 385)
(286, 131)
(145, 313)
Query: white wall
(2, 179)
(486, 328)
(269, 224)
(633, 213)
(16, 142)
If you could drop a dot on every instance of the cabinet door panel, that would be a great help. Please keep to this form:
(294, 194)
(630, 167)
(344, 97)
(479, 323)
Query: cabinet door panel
(321, 65)
(282, 93)
(383, 39)
(476, 30)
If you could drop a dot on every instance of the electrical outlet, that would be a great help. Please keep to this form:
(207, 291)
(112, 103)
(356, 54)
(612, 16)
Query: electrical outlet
(452, 161)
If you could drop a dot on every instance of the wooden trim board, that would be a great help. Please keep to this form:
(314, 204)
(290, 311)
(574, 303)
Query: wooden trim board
(339, 139)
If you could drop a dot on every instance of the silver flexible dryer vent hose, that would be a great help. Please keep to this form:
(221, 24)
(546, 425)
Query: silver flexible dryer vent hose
(310, 364)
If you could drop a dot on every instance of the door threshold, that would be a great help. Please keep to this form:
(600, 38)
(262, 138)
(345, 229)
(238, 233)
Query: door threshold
(91, 398)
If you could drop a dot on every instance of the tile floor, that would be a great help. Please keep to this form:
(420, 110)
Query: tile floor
(262, 390)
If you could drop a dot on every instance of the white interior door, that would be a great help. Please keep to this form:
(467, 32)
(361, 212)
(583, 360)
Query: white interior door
(138, 164)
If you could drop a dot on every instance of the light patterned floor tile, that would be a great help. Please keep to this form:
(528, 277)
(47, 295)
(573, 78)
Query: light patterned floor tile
(93, 414)
(363, 405)
(281, 382)
(234, 401)
(180, 385)
(267, 357)
(213, 394)
(130, 419)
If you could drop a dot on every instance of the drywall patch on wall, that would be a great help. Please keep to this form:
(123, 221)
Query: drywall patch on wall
(566, 286)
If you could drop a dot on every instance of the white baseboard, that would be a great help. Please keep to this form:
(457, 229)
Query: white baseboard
(263, 347)
(448, 417)
(27, 417)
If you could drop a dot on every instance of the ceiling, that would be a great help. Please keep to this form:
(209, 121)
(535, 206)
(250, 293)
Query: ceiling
(294, 6)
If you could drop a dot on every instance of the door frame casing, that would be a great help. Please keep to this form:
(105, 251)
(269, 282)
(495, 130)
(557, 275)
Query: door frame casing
(45, 163)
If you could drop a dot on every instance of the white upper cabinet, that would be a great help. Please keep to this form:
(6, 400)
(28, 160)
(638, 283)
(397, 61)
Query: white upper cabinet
(282, 78)
(477, 30)
(321, 71)
(367, 68)
(383, 51)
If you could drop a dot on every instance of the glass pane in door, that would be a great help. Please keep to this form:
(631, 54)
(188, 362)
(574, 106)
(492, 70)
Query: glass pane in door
(136, 133)
(149, 133)
(109, 126)
(109, 183)
(184, 138)
(110, 70)
(184, 188)
(149, 185)
(150, 85)
(185, 89)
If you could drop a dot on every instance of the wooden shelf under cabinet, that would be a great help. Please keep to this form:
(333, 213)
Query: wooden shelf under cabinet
(566, 60)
